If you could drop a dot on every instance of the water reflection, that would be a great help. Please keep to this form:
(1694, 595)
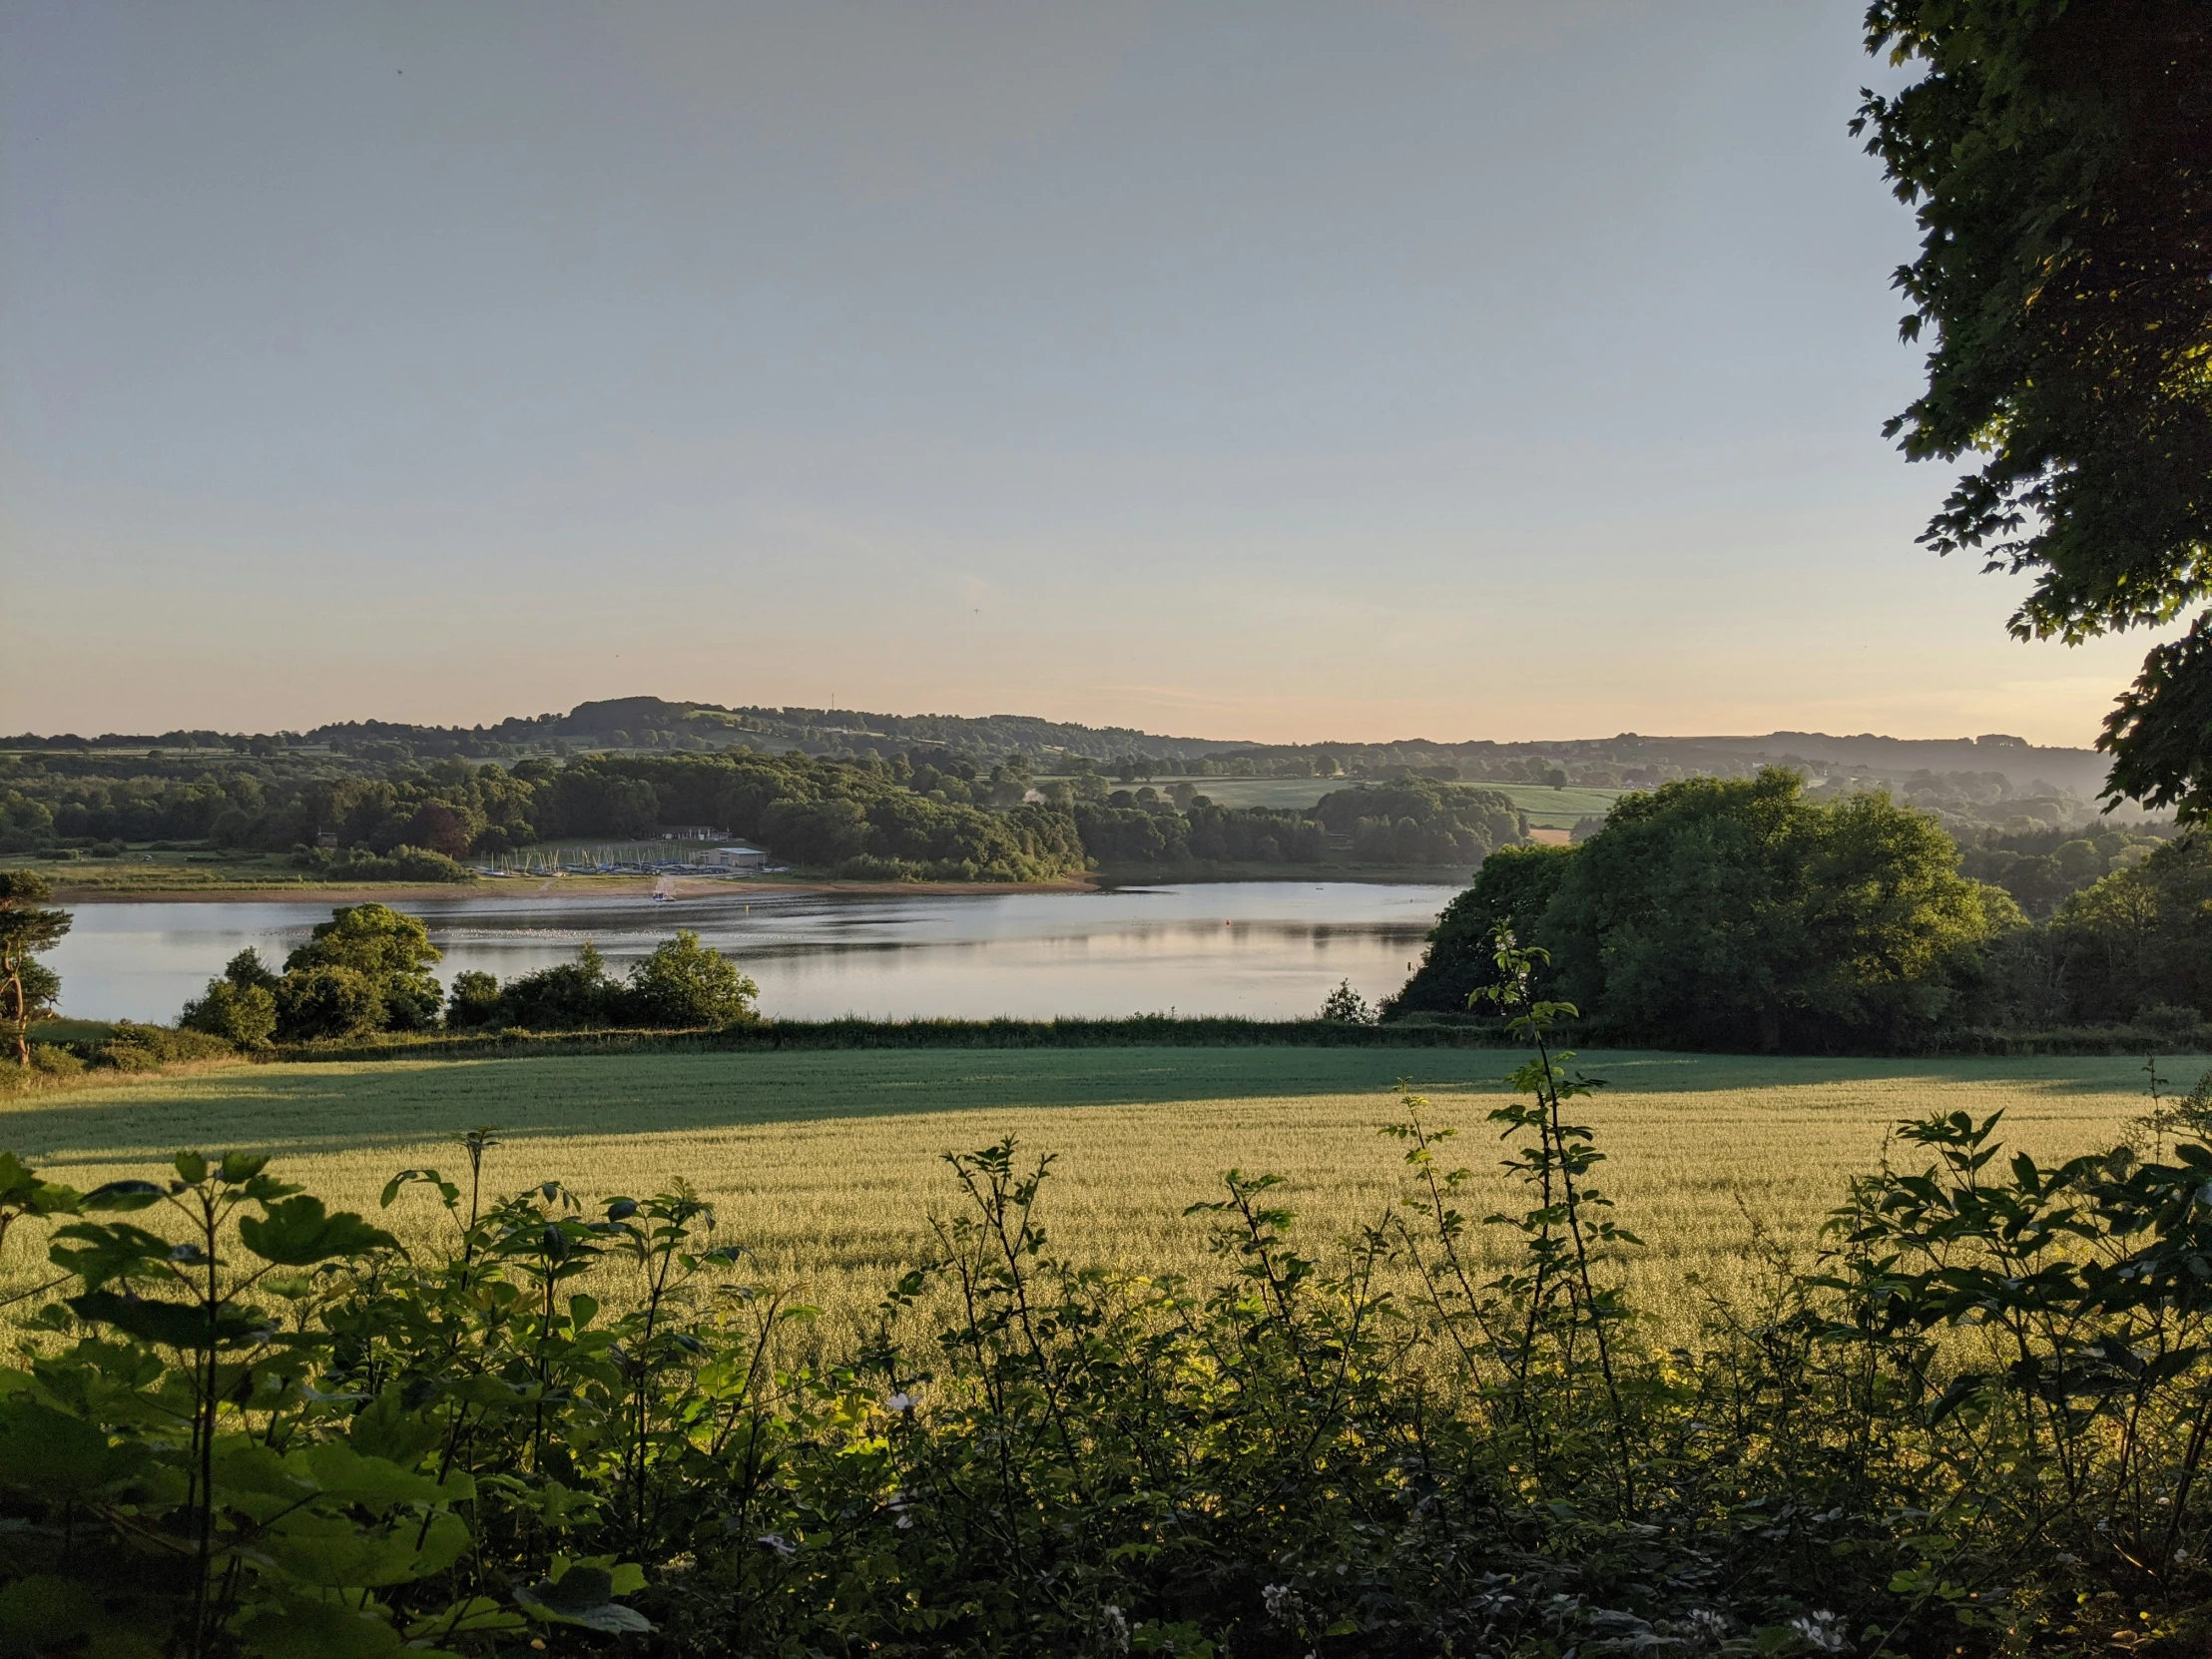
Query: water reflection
(1266, 949)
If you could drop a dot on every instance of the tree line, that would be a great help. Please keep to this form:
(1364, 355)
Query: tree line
(1745, 913)
(927, 815)
(367, 970)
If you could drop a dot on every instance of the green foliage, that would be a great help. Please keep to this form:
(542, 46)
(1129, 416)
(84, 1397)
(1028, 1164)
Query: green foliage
(819, 813)
(136, 1047)
(1346, 1006)
(1514, 887)
(473, 1002)
(401, 864)
(315, 1003)
(2059, 160)
(198, 1461)
(365, 969)
(1420, 822)
(239, 1007)
(370, 938)
(566, 997)
(244, 1016)
(28, 990)
(1128, 833)
(244, 1425)
(682, 985)
(1740, 914)
(2140, 937)
(2041, 868)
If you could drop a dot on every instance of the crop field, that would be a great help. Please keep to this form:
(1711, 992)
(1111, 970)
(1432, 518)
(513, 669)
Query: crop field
(1547, 808)
(827, 1166)
(1550, 808)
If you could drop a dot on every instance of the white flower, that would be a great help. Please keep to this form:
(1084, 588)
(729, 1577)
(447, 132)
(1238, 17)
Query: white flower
(1281, 1602)
(1117, 1627)
(1706, 1628)
(900, 1402)
(901, 1506)
(777, 1543)
(1823, 1632)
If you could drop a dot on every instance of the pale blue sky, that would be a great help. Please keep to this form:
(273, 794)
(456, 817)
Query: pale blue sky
(1274, 369)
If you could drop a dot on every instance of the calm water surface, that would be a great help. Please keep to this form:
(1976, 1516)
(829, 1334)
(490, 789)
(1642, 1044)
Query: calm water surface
(1268, 949)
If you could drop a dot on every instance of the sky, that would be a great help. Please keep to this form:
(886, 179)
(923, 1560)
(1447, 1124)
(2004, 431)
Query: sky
(1499, 368)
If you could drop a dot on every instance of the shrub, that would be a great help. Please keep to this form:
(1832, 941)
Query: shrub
(683, 984)
(55, 1060)
(239, 1007)
(473, 1001)
(403, 863)
(1346, 1006)
(137, 1047)
(322, 1002)
(244, 1016)
(568, 996)
(387, 955)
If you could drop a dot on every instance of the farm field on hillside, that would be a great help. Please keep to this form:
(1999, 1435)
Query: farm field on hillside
(827, 1165)
(1547, 808)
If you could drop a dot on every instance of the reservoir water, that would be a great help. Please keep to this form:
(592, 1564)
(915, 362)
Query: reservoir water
(1266, 949)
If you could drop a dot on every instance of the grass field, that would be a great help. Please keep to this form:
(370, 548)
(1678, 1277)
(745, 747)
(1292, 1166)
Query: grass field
(1547, 808)
(826, 1165)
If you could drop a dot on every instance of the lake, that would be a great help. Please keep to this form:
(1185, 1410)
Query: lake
(1266, 949)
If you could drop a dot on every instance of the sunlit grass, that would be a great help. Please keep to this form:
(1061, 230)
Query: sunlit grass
(828, 1165)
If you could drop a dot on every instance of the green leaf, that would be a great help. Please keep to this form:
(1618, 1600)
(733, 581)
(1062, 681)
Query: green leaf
(53, 1454)
(22, 1191)
(192, 1168)
(333, 1553)
(297, 1233)
(252, 1476)
(174, 1324)
(623, 1577)
(584, 1596)
(124, 1195)
(463, 1617)
(42, 1614)
(296, 1627)
(447, 1192)
(97, 1252)
(345, 1475)
(387, 1429)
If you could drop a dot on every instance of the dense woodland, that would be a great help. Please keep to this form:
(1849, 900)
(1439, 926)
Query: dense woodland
(1749, 914)
(927, 814)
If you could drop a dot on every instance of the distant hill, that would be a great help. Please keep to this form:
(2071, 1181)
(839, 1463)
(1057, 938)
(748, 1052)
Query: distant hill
(2023, 763)
(1995, 763)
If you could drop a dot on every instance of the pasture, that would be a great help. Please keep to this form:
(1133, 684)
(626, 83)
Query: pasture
(827, 1165)
(1547, 808)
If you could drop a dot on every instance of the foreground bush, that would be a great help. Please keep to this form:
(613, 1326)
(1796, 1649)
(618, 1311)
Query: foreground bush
(244, 1425)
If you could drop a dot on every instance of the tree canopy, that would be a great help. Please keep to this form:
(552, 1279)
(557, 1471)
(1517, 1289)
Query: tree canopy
(1733, 913)
(2060, 156)
(1739, 913)
(1514, 885)
(2141, 938)
(28, 988)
